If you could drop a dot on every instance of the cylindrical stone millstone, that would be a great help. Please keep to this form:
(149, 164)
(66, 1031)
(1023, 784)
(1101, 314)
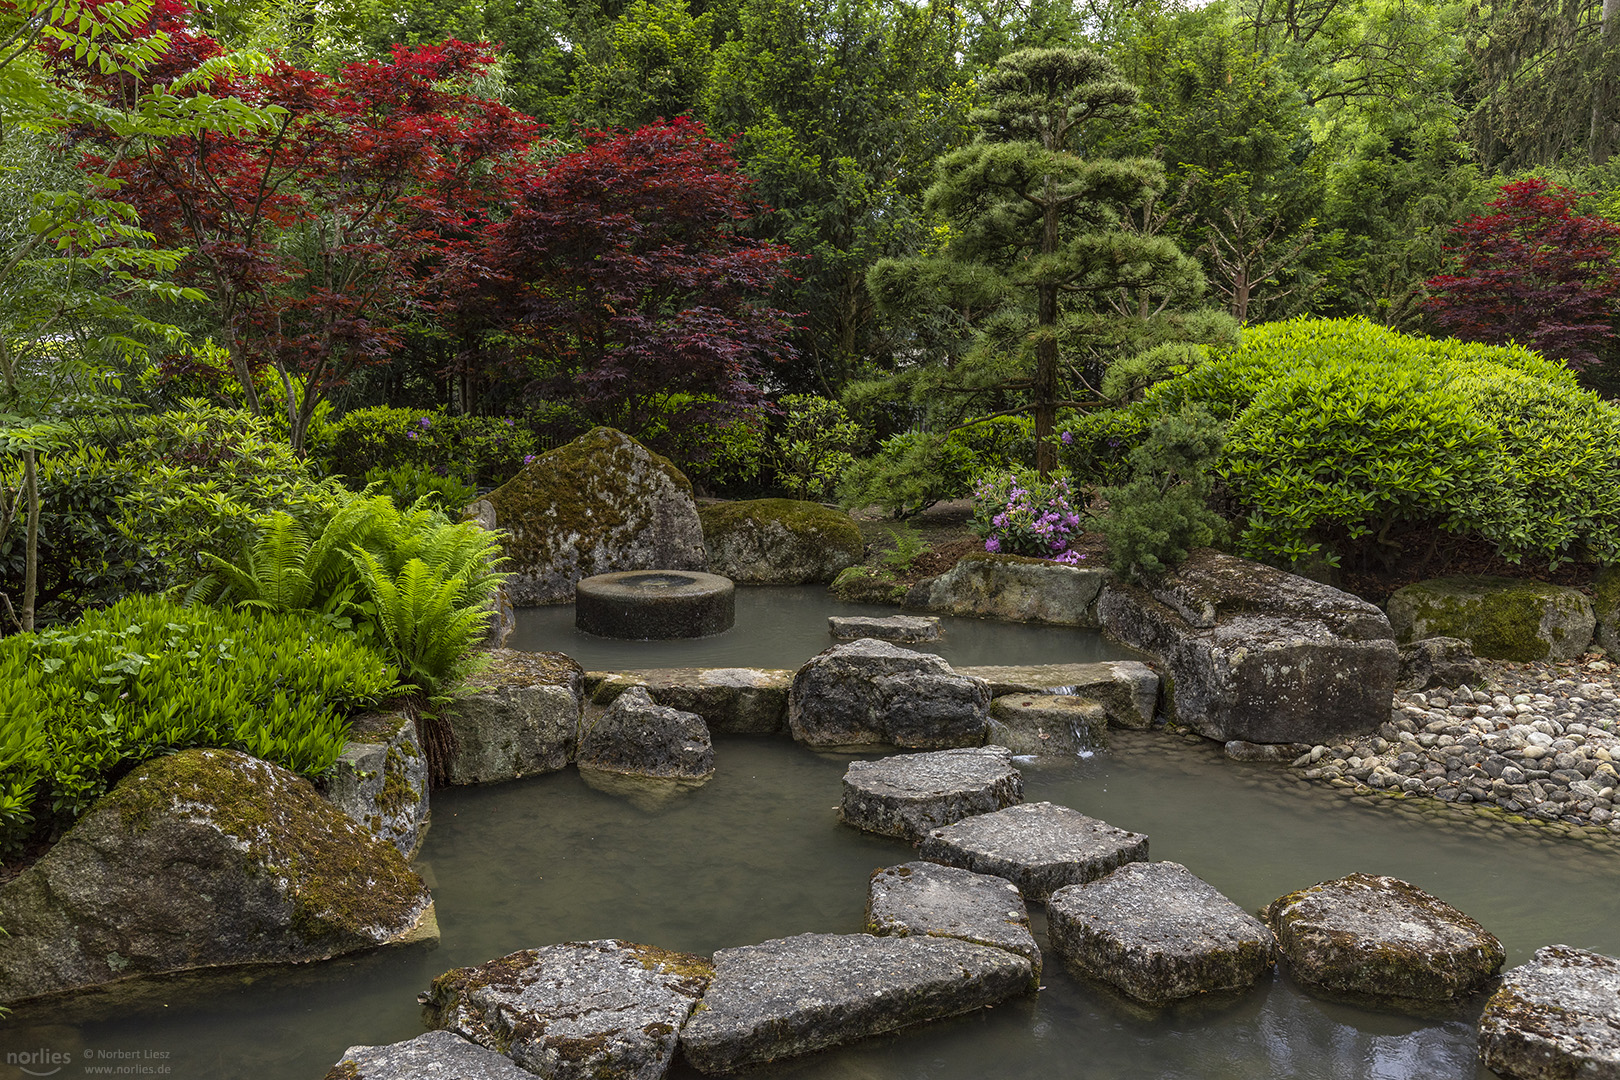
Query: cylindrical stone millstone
(643, 604)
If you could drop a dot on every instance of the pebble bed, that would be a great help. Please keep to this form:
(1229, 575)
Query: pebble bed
(1535, 743)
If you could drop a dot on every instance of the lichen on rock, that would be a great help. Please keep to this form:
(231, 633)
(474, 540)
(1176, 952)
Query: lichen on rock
(779, 541)
(1502, 618)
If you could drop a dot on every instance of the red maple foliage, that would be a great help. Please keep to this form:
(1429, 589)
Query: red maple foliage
(355, 205)
(636, 296)
(1533, 271)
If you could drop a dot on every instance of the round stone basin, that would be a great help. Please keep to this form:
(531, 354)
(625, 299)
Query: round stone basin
(642, 604)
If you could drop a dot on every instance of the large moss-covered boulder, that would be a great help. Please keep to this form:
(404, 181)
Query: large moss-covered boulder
(207, 858)
(601, 504)
(381, 780)
(1257, 654)
(1502, 618)
(779, 541)
(1606, 609)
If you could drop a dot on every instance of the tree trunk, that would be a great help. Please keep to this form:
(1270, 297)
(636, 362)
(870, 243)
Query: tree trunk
(31, 551)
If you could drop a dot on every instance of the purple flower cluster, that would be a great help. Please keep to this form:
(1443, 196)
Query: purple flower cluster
(1020, 514)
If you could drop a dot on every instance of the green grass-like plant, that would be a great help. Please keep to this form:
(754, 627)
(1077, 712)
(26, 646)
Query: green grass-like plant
(148, 676)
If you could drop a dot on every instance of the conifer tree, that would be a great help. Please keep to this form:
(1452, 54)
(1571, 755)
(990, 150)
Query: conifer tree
(1039, 273)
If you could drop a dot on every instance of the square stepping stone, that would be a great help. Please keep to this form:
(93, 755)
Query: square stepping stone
(794, 995)
(1158, 933)
(899, 628)
(909, 794)
(1040, 847)
(923, 899)
(438, 1055)
(1557, 1016)
(1376, 940)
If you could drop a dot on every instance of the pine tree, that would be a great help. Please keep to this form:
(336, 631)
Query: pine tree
(1039, 274)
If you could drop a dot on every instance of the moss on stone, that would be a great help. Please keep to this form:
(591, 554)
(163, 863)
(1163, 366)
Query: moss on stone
(397, 793)
(867, 585)
(514, 667)
(1500, 617)
(827, 526)
(343, 1070)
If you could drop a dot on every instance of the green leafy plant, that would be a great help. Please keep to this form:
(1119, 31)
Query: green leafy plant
(1018, 512)
(147, 676)
(910, 472)
(1162, 513)
(908, 547)
(815, 447)
(411, 485)
(473, 449)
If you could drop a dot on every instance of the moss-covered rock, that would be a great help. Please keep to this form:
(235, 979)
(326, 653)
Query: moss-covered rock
(518, 716)
(1013, 587)
(381, 780)
(601, 504)
(1502, 618)
(867, 585)
(1606, 609)
(204, 859)
(780, 541)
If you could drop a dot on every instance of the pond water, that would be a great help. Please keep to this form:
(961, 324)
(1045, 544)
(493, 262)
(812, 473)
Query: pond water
(782, 627)
(759, 853)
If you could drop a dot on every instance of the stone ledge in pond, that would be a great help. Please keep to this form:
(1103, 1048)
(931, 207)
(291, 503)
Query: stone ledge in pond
(795, 995)
(1158, 933)
(438, 1055)
(1557, 1016)
(1040, 847)
(909, 794)
(1128, 690)
(1014, 588)
(924, 899)
(1380, 941)
(517, 717)
(576, 1011)
(1256, 654)
(903, 629)
(636, 737)
(732, 701)
(1059, 726)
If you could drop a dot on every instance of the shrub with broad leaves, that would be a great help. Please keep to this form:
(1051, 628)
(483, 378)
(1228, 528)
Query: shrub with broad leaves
(1018, 513)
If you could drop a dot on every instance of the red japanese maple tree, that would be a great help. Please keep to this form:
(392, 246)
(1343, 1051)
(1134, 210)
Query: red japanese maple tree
(636, 296)
(356, 204)
(1532, 270)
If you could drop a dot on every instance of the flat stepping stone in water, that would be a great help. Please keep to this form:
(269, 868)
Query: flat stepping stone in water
(438, 1055)
(902, 628)
(1158, 933)
(799, 994)
(1557, 1016)
(1048, 725)
(1040, 847)
(575, 1011)
(1382, 941)
(923, 899)
(909, 794)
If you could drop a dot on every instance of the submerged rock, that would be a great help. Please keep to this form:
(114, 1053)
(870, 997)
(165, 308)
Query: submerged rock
(1128, 690)
(1158, 933)
(1500, 617)
(1015, 588)
(1382, 941)
(1556, 1017)
(799, 994)
(639, 738)
(732, 701)
(584, 1010)
(381, 780)
(519, 716)
(898, 628)
(1048, 725)
(1040, 847)
(779, 541)
(1260, 655)
(909, 794)
(872, 693)
(601, 504)
(924, 899)
(437, 1055)
(203, 859)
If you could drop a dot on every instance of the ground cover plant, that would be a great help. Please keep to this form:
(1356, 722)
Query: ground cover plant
(83, 703)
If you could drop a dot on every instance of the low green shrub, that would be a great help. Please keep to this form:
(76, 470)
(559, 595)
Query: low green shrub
(914, 470)
(82, 703)
(815, 445)
(1162, 513)
(486, 450)
(1344, 434)
(408, 485)
(1095, 447)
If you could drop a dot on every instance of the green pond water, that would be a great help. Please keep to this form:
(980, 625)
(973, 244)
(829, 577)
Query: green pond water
(759, 853)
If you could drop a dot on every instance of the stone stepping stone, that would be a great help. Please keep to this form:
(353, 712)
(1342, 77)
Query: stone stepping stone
(1048, 725)
(901, 628)
(1378, 940)
(575, 1011)
(1557, 1016)
(1158, 933)
(909, 794)
(800, 994)
(1127, 689)
(638, 737)
(1040, 847)
(867, 692)
(438, 1055)
(923, 899)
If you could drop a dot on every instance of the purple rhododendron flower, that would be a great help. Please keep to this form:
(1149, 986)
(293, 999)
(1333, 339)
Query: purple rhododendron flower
(992, 545)
(1067, 438)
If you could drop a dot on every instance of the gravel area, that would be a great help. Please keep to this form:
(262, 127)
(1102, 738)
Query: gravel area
(1536, 743)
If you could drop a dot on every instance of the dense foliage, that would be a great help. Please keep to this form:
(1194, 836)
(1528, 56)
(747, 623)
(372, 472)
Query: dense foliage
(82, 703)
